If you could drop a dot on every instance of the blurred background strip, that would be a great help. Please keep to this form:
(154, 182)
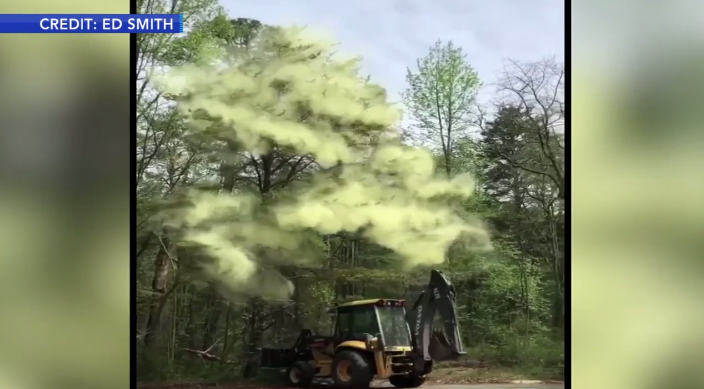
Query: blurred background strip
(65, 204)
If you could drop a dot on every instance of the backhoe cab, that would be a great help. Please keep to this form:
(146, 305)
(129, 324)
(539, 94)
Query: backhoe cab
(376, 339)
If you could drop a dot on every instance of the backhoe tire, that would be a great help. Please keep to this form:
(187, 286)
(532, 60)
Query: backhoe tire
(351, 370)
(406, 381)
(300, 374)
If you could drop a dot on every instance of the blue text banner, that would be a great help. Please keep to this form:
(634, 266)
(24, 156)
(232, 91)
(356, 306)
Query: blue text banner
(91, 23)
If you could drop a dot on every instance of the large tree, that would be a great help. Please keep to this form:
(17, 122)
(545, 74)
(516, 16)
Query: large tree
(513, 176)
(440, 98)
(166, 158)
(503, 138)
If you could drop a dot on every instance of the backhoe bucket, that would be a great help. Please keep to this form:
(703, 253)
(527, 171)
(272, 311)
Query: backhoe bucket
(440, 348)
(443, 342)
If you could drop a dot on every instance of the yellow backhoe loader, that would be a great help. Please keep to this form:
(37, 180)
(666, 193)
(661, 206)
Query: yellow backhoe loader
(376, 339)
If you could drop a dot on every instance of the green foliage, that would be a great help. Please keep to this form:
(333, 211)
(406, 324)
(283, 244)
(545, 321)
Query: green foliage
(322, 296)
(445, 82)
(512, 302)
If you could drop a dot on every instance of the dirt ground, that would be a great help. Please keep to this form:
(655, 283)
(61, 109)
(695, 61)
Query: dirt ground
(526, 385)
(456, 381)
(459, 376)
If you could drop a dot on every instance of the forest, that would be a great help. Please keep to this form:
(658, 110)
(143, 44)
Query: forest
(276, 179)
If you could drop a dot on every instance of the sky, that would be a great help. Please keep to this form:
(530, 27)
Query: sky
(391, 34)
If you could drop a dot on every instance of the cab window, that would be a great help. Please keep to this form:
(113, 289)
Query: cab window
(357, 321)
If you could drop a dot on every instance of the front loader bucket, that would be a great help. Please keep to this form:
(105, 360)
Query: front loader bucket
(440, 348)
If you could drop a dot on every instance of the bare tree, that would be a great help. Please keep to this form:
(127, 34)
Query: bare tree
(538, 87)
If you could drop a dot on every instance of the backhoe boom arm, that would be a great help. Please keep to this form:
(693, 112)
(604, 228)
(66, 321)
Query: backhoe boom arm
(430, 343)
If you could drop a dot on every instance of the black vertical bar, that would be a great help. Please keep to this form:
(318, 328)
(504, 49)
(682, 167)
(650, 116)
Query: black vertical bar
(566, 200)
(133, 203)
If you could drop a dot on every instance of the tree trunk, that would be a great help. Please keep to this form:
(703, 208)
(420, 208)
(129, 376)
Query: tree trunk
(174, 328)
(556, 269)
(162, 270)
(212, 318)
(191, 328)
(225, 343)
(297, 305)
(254, 338)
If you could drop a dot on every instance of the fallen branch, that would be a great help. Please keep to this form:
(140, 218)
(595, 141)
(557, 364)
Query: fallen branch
(205, 355)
